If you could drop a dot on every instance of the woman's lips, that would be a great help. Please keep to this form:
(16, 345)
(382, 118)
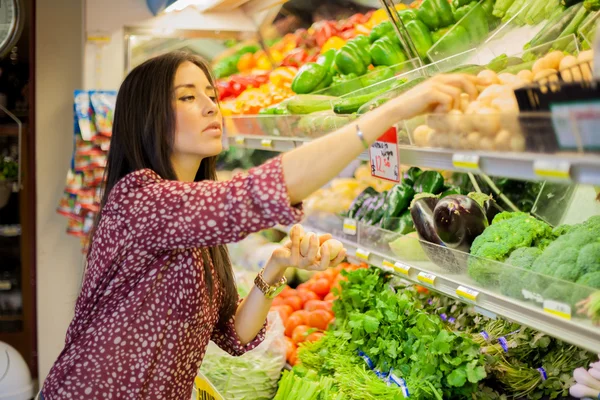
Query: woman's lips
(213, 129)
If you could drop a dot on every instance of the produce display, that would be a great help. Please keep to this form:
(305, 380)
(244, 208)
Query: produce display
(443, 350)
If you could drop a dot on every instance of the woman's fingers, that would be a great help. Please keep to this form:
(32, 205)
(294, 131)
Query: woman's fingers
(453, 92)
(324, 238)
(325, 258)
(340, 257)
(313, 249)
(296, 234)
(440, 101)
(464, 82)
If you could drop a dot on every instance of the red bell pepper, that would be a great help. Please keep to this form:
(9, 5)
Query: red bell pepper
(323, 31)
(295, 58)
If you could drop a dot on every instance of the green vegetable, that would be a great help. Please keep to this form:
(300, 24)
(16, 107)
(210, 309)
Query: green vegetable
(407, 247)
(501, 7)
(513, 10)
(398, 200)
(309, 103)
(407, 15)
(508, 232)
(571, 28)
(536, 12)
(429, 182)
(515, 69)
(385, 51)
(511, 279)
(475, 22)
(435, 13)
(359, 200)
(437, 35)
(390, 94)
(354, 56)
(460, 3)
(592, 5)
(350, 105)
(555, 26)
(308, 78)
(488, 8)
(420, 36)
(403, 224)
(455, 41)
(568, 3)
(381, 30)
(459, 13)
(376, 75)
(360, 215)
(413, 173)
(450, 191)
(378, 209)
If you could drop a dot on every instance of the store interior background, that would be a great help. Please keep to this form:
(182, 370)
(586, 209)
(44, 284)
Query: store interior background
(64, 62)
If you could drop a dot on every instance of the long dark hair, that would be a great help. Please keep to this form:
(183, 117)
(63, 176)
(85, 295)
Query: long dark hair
(143, 136)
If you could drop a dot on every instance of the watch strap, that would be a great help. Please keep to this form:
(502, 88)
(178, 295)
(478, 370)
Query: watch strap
(270, 291)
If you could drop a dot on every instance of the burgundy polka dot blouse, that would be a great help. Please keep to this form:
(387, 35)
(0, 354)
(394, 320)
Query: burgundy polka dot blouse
(144, 318)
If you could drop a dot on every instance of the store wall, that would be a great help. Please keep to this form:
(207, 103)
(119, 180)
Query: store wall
(59, 71)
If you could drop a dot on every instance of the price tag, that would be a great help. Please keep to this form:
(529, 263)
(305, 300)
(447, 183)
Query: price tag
(426, 278)
(402, 268)
(349, 227)
(552, 169)
(239, 140)
(532, 296)
(363, 254)
(469, 162)
(385, 158)
(5, 285)
(559, 309)
(466, 293)
(388, 266)
(266, 143)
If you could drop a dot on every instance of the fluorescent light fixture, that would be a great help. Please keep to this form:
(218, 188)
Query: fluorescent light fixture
(181, 4)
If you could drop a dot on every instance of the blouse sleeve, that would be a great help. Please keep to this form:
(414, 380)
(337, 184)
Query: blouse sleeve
(166, 215)
(225, 336)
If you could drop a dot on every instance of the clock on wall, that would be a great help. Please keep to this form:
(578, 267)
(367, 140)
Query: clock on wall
(12, 18)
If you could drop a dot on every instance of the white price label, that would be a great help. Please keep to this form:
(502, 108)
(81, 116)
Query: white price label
(349, 227)
(552, 169)
(402, 268)
(466, 161)
(239, 140)
(266, 143)
(385, 158)
(467, 293)
(426, 278)
(387, 265)
(363, 254)
(558, 309)
(532, 296)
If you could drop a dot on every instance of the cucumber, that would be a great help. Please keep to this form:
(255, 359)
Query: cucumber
(555, 26)
(310, 103)
(351, 105)
(575, 22)
(471, 69)
(515, 69)
(388, 95)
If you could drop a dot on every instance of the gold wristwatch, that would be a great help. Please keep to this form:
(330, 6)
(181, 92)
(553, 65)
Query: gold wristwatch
(270, 291)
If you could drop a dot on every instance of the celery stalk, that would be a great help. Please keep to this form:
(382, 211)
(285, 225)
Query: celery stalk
(501, 7)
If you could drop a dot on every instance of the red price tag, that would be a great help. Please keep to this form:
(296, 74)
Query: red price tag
(385, 159)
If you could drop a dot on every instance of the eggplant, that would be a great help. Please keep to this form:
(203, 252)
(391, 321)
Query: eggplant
(458, 220)
(359, 200)
(421, 211)
(491, 209)
(362, 210)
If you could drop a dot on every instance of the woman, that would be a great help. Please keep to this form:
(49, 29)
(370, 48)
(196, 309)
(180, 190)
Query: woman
(158, 284)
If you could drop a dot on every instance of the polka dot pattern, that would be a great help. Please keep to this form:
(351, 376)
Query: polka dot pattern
(144, 316)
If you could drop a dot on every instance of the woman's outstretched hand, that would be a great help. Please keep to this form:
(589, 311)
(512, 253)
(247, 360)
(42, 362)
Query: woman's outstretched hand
(311, 257)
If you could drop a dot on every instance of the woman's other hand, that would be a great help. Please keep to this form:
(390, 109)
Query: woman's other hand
(314, 258)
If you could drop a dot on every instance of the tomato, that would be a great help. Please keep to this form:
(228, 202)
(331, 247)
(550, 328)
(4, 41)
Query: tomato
(321, 287)
(303, 314)
(313, 305)
(293, 360)
(313, 337)
(287, 292)
(330, 296)
(330, 274)
(290, 348)
(304, 285)
(293, 301)
(307, 295)
(291, 324)
(319, 319)
(421, 289)
(300, 333)
(284, 312)
(277, 301)
(329, 304)
(317, 276)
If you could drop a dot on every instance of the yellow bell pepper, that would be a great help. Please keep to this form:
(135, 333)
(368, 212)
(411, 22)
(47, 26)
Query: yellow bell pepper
(378, 17)
(334, 42)
(263, 62)
(246, 62)
(361, 29)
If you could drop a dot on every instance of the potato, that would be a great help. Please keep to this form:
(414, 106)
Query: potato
(502, 140)
(517, 143)
(438, 139)
(473, 107)
(335, 246)
(454, 141)
(305, 243)
(493, 92)
(525, 76)
(487, 77)
(463, 141)
(438, 122)
(486, 144)
(540, 65)
(487, 121)
(506, 106)
(454, 120)
(586, 56)
(510, 79)
(421, 135)
(473, 140)
(544, 75)
(569, 70)
(554, 58)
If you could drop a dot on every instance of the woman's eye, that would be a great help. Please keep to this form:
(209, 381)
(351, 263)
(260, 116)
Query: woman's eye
(187, 98)
(213, 98)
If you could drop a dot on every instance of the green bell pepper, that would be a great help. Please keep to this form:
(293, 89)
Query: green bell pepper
(413, 173)
(460, 3)
(376, 75)
(398, 200)
(354, 56)
(437, 35)
(419, 33)
(402, 224)
(381, 30)
(455, 41)
(308, 78)
(429, 182)
(488, 7)
(327, 60)
(450, 191)
(435, 14)
(385, 52)
(476, 23)
(408, 15)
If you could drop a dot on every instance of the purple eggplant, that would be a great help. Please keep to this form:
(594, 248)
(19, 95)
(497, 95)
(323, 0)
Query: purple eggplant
(458, 220)
(490, 207)
(421, 211)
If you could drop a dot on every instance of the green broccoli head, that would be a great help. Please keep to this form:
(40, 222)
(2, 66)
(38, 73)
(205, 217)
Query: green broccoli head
(585, 286)
(589, 258)
(508, 232)
(524, 257)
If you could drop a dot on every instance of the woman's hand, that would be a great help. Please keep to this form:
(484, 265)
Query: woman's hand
(440, 94)
(317, 258)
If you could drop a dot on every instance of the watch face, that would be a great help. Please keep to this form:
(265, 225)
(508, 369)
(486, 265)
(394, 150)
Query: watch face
(278, 290)
(10, 18)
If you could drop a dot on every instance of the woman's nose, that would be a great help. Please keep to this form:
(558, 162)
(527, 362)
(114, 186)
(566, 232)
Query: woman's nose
(210, 108)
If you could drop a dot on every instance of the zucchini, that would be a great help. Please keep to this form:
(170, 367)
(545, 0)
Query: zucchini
(388, 95)
(555, 26)
(515, 69)
(575, 22)
(351, 104)
(309, 103)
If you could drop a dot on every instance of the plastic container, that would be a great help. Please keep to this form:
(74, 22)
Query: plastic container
(15, 379)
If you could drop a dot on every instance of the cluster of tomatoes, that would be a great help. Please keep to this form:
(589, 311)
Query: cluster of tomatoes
(307, 310)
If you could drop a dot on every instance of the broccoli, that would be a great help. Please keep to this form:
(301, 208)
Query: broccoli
(591, 281)
(573, 254)
(523, 257)
(508, 232)
(558, 291)
(592, 5)
(511, 279)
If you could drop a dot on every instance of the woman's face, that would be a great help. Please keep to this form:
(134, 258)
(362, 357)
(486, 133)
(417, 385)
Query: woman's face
(198, 128)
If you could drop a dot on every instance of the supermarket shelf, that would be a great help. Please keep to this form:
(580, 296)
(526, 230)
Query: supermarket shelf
(527, 166)
(577, 331)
